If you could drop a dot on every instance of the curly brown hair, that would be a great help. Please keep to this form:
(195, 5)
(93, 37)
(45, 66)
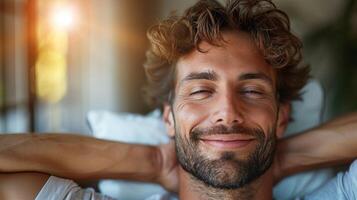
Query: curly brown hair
(268, 26)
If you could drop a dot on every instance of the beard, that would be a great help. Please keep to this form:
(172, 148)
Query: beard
(227, 171)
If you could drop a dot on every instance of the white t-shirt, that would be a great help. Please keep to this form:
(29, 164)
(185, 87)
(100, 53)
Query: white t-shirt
(64, 189)
(342, 187)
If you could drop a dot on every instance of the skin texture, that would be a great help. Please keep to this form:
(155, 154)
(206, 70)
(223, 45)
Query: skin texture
(78, 157)
(227, 86)
(24, 186)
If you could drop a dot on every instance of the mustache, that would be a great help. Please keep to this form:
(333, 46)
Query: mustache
(198, 132)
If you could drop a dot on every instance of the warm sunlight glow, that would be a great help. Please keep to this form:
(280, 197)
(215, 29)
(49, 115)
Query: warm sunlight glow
(56, 19)
(63, 17)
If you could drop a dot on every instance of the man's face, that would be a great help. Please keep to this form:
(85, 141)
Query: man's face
(225, 112)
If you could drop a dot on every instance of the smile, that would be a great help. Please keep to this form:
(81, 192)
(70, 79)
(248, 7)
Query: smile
(228, 141)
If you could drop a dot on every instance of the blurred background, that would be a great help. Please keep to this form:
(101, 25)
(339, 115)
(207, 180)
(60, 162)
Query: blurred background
(60, 59)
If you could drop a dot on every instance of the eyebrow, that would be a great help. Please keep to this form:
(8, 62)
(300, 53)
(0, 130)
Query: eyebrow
(261, 76)
(207, 75)
(212, 76)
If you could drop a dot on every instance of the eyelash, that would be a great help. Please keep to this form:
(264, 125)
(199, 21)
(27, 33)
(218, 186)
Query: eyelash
(200, 91)
(251, 92)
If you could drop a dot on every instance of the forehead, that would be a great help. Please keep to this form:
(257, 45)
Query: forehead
(237, 55)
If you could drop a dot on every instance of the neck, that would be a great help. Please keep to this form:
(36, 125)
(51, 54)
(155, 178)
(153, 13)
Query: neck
(191, 188)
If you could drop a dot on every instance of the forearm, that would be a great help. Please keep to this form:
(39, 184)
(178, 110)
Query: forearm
(77, 157)
(333, 143)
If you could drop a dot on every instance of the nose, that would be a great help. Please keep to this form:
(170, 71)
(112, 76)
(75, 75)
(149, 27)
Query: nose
(227, 111)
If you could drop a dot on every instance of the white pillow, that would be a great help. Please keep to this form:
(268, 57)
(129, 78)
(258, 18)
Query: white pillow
(306, 114)
(130, 128)
(134, 128)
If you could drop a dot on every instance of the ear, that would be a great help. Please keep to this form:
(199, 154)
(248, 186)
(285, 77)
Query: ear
(283, 119)
(169, 120)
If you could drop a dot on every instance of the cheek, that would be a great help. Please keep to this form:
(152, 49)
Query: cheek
(262, 114)
(189, 115)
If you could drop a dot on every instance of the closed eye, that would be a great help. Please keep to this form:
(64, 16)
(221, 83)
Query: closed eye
(200, 92)
(252, 93)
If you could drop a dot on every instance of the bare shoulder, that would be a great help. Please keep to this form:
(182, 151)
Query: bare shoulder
(21, 185)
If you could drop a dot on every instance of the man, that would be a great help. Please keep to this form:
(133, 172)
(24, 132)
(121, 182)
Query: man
(225, 76)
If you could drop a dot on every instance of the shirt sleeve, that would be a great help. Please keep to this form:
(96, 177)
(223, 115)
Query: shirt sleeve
(342, 187)
(64, 189)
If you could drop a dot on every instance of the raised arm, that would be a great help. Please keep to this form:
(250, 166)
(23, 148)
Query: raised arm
(78, 157)
(333, 143)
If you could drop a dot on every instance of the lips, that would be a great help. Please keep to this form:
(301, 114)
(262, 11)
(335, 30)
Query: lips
(228, 141)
